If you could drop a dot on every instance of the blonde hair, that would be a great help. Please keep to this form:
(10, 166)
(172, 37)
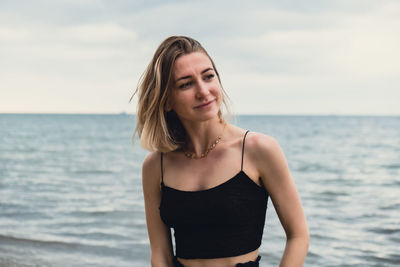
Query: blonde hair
(158, 129)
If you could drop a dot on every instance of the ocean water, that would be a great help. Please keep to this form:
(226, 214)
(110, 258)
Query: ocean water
(71, 193)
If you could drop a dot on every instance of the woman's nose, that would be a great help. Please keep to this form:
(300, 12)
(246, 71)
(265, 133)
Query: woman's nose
(202, 89)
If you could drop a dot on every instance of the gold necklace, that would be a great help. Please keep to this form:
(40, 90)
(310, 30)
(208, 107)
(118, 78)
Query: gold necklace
(192, 155)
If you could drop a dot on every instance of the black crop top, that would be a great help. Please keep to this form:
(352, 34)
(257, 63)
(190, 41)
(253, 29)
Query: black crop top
(223, 221)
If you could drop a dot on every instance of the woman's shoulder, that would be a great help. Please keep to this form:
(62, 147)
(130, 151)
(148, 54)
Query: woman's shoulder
(151, 166)
(257, 139)
(151, 159)
(261, 146)
(254, 141)
(266, 156)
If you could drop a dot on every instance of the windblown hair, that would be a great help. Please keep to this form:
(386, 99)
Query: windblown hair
(158, 129)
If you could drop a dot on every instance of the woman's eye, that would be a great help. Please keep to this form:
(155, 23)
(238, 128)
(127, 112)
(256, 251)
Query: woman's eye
(185, 85)
(209, 77)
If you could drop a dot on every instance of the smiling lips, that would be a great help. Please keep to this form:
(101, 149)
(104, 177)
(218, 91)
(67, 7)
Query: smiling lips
(205, 104)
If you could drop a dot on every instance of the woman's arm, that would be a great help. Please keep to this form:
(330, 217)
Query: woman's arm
(159, 233)
(270, 161)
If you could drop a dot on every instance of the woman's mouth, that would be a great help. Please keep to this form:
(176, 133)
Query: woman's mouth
(205, 104)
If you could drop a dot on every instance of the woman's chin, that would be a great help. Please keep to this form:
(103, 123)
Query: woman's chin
(209, 117)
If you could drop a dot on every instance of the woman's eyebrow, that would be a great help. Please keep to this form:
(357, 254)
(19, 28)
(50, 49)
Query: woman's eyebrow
(206, 70)
(188, 76)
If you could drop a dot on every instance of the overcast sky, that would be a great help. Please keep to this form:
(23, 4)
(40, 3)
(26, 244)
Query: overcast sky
(274, 57)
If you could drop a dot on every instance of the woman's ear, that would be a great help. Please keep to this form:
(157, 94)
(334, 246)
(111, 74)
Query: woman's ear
(168, 106)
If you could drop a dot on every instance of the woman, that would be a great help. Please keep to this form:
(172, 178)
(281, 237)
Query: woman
(206, 178)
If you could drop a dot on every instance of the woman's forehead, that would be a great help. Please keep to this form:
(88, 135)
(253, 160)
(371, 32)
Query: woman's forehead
(191, 63)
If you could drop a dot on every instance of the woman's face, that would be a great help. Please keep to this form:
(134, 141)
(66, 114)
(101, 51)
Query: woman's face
(196, 93)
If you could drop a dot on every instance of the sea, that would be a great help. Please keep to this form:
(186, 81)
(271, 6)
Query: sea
(71, 189)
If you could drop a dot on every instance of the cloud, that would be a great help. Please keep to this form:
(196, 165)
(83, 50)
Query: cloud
(296, 50)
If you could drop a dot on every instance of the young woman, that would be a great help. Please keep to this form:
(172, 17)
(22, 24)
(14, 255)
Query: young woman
(206, 178)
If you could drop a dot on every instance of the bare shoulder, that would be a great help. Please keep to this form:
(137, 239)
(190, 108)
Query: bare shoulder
(151, 159)
(265, 152)
(261, 144)
(151, 168)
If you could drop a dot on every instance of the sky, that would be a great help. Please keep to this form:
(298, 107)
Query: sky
(274, 57)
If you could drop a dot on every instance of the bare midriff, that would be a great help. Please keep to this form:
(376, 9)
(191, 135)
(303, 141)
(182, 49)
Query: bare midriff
(220, 262)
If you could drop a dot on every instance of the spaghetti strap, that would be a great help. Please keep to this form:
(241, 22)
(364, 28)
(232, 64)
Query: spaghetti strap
(244, 138)
(162, 172)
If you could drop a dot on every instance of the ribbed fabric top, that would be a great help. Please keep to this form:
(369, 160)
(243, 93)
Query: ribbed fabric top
(223, 221)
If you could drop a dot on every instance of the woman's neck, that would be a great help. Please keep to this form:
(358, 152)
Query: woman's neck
(201, 135)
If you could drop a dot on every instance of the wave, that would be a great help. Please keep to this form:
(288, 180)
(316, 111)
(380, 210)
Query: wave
(12, 240)
(93, 172)
(61, 246)
(391, 166)
(387, 231)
